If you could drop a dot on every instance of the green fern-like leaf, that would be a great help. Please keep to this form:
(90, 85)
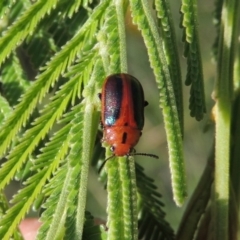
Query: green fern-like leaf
(24, 26)
(56, 205)
(72, 7)
(5, 7)
(31, 138)
(89, 131)
(91, 231)
(5, 109)
(122, 219)
(122, 198)
(113, 55)
(76, 163)
(217, 22)
(152, 224)
(170, 48)
(77, 159)
(3, 204)
(29, 54)
(113, 51)
(141, 12)
(53, 32)
(70, 223)
(14, 80)
(43, 168)
(115, 206)
(61, 197)
(192, 53)
(54, 69)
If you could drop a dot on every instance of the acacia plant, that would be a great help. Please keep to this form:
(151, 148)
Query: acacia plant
(54, 57)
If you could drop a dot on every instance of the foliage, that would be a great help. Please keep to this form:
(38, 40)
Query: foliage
(54, 58)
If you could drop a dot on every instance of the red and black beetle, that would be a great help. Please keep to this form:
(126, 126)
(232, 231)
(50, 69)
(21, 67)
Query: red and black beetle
(122, 113)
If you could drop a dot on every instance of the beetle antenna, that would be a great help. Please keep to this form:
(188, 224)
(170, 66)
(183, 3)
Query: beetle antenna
(145, 154)
(104, 162)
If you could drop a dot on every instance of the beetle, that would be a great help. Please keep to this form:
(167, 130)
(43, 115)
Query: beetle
(122, 114)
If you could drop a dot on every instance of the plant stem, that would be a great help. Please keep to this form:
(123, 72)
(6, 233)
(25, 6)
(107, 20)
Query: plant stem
(224, 95)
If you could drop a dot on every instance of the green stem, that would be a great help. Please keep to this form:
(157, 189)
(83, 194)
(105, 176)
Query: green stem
(115, 204)
(221, 208)
(224, 94)
(91, 117)
(129, 197)
(122, 34)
